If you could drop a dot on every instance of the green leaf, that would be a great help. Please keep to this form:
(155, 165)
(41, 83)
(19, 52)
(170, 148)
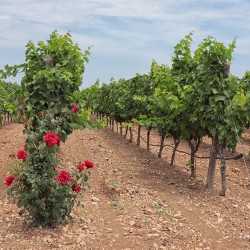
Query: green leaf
(220, 98)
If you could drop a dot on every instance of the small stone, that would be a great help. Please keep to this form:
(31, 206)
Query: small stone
(220, 220)
(177, 215)
(50, 240)
(155, 246)
(78, 240)
(162, 248)
(82, 243)
(153, 235)
(131, 223)
(148, 211)
(95, 199)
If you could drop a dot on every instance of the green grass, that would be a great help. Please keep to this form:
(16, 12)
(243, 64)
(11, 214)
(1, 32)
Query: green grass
(162, 211)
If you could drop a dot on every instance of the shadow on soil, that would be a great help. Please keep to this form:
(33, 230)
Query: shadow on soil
(158, 171)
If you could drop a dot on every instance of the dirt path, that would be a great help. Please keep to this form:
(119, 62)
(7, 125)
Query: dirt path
(137, 201)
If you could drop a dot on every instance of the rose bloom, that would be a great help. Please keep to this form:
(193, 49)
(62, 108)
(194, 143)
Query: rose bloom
(9, 180)
(89, 164)
(76, 188)
(75, 108)
(21, 154)
(80, 167)
(64, 177)
(51, 139)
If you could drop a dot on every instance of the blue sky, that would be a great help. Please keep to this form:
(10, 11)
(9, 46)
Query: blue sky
(125, 35)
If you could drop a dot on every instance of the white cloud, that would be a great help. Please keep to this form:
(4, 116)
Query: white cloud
(131, 30)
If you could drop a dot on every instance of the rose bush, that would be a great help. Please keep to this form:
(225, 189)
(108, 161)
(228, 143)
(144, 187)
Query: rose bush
(45, 192)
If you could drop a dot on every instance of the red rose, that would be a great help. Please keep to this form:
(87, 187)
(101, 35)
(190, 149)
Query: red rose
(9, 180)
(75, 108)
(64, 177)
(89, 164)
(80, 167)
(51, 139)
(21, 154)
(76, 188)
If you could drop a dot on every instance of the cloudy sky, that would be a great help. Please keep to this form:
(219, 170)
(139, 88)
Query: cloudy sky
(125, 35)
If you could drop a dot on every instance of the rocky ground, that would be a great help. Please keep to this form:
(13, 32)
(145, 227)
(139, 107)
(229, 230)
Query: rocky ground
(136, 201)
